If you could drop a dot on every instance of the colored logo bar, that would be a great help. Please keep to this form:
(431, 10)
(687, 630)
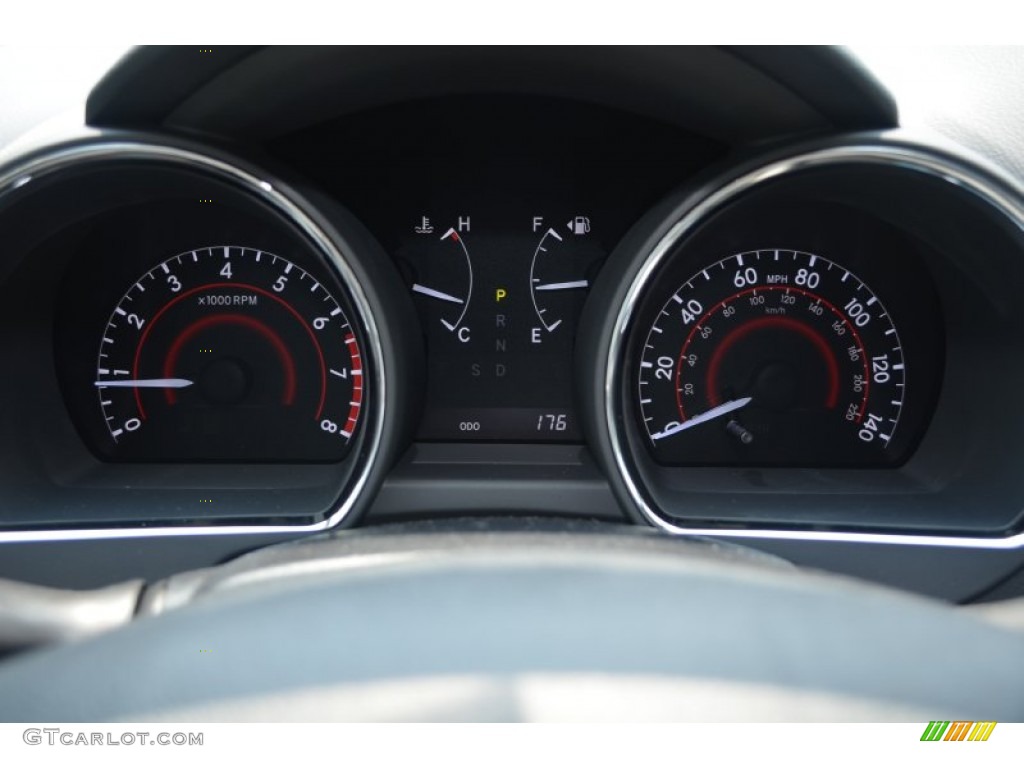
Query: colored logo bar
(939, 730)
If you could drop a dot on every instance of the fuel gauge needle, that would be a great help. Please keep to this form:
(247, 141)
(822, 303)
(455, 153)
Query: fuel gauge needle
(156, 383)
(562, 286)
(700, 418)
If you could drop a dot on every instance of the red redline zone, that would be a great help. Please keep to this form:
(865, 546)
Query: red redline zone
(357, 385)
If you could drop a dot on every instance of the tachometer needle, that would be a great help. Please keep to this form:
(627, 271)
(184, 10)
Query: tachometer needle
(156, 383)
(436, 294)
(561, 286)
(700, 418)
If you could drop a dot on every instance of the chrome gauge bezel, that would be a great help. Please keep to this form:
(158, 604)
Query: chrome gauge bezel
(994, 192)
(98, 150)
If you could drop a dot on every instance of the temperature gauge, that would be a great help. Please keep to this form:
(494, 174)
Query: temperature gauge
(444, 277)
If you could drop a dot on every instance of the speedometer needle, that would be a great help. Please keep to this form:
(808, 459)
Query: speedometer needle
(700, 418)
(157, 383)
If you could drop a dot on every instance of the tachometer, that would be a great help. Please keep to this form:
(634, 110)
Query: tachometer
(230, 353)
(772, 357)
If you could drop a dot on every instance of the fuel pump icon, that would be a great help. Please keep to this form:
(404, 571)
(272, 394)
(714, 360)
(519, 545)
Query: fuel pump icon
(580, 225)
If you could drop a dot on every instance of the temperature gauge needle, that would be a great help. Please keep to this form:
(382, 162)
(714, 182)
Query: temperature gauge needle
(417, 288)
(156, 383)
(700, 418)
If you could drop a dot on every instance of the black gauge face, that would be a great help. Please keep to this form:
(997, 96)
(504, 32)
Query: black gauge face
(773, 357)
(499, 310)
(229, 354)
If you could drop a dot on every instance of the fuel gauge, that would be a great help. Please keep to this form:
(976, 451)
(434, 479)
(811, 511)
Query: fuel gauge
(561, 271)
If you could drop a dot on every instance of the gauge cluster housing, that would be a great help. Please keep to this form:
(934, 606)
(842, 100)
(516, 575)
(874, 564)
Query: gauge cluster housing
(106, 209)
(611, 175)
(938, 216)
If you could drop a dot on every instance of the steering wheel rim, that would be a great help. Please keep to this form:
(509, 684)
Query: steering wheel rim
(463, 625)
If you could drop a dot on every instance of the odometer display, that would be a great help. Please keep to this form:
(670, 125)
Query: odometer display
(772, 357)
(229, 353)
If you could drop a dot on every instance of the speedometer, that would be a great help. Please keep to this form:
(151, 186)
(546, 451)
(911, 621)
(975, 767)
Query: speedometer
(772, 357)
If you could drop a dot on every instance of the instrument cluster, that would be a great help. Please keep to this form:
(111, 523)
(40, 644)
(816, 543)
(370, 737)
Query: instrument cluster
(730, 341)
